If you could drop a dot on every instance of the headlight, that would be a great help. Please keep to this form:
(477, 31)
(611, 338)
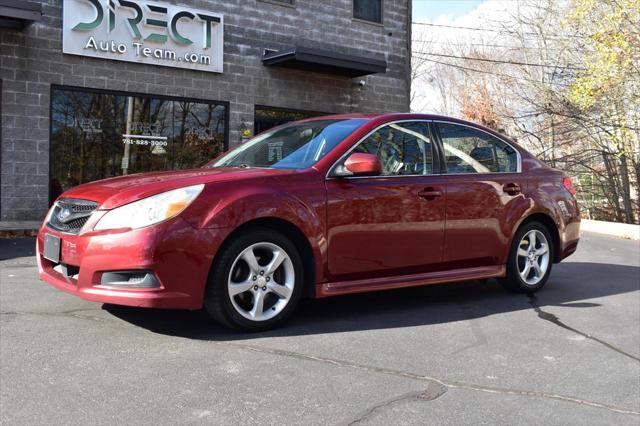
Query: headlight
(149, 210)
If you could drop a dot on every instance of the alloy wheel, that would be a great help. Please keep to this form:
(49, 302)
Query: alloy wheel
(533, 257)
(261, 281)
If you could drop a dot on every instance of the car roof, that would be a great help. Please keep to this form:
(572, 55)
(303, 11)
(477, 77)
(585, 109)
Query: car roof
(394, 116)
(343, 116)
(387, 117)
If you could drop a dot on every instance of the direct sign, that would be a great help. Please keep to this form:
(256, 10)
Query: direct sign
(144, 32)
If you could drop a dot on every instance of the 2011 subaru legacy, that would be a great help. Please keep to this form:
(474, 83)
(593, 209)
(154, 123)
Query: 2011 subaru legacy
(322, 207)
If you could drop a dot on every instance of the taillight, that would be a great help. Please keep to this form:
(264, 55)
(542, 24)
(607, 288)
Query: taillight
(568, 184)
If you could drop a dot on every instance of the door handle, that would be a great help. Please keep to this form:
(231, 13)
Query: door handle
(511, 188)
(430, 193)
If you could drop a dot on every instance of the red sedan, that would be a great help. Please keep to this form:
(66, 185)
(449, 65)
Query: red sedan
(321, 207)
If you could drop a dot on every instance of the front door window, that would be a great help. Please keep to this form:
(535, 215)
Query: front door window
(403, 148)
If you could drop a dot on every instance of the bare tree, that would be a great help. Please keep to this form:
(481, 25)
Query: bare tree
(534, 79)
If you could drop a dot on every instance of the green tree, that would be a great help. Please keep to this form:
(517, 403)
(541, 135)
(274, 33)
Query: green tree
(609, 85)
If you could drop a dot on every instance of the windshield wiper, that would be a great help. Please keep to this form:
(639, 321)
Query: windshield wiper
(245, 166)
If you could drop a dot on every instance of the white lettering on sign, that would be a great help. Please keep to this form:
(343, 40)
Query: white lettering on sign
(145, 140)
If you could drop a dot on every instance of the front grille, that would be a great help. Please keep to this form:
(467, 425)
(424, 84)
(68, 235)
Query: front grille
(70, 214)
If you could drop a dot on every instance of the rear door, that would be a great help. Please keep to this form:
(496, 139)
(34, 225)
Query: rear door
(391, 224)
(484, 191)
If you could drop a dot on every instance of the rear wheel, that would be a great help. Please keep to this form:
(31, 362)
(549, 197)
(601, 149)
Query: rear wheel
(530, 259)
(256, 281)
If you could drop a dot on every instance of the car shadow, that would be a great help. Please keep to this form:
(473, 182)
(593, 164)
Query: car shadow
(569, 286)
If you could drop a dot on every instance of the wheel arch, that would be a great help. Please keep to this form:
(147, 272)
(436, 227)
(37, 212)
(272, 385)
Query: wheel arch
(551, 226)
(289, 230)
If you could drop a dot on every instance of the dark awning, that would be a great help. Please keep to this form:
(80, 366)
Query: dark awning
(18, 13)
(325, 61)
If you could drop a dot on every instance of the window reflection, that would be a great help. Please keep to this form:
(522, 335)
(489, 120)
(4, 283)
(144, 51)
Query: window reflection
(98, 135)
(472, 151)
(269, 117)
(368, 10)
(403, 149)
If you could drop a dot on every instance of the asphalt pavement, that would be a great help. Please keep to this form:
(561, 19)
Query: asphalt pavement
(465, 353)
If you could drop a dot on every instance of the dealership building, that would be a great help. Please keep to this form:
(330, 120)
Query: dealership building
(91, 89)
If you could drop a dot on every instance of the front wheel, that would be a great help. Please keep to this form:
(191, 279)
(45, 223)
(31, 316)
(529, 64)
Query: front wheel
(256, 281)
(530, 259)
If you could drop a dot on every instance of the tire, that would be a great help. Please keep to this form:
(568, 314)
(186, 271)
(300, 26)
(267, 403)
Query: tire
(523, 279)
(264, 296)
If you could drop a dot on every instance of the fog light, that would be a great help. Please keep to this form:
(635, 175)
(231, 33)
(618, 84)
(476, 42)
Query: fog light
(129, 279)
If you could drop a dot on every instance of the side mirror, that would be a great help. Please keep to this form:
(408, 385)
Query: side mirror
(361, 164)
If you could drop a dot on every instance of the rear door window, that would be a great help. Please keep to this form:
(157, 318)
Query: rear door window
(468, 150)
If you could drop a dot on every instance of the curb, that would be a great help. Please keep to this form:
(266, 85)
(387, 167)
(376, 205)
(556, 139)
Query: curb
(19, 229)
(615, 229)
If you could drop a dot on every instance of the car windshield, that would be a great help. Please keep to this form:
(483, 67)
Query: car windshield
(294, 146)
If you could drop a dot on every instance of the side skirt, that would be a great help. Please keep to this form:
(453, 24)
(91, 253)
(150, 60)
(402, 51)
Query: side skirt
(402, 281)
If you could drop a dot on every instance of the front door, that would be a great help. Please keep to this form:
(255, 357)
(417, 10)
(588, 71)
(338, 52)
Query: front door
(391, 224)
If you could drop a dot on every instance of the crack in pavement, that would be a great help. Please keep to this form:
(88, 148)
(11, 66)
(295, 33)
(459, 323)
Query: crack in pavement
(548, 316)
(446, 383)
(433, 391)
(71, 313)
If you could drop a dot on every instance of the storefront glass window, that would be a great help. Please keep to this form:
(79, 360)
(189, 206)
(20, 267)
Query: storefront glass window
(268, 117)
(99, 135)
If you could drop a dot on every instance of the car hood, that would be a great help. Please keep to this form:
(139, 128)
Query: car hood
(115, 192)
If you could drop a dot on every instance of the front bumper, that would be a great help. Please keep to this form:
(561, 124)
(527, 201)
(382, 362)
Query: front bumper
(178, 255)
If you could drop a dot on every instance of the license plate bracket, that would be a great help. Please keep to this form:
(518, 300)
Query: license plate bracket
(51, 249)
